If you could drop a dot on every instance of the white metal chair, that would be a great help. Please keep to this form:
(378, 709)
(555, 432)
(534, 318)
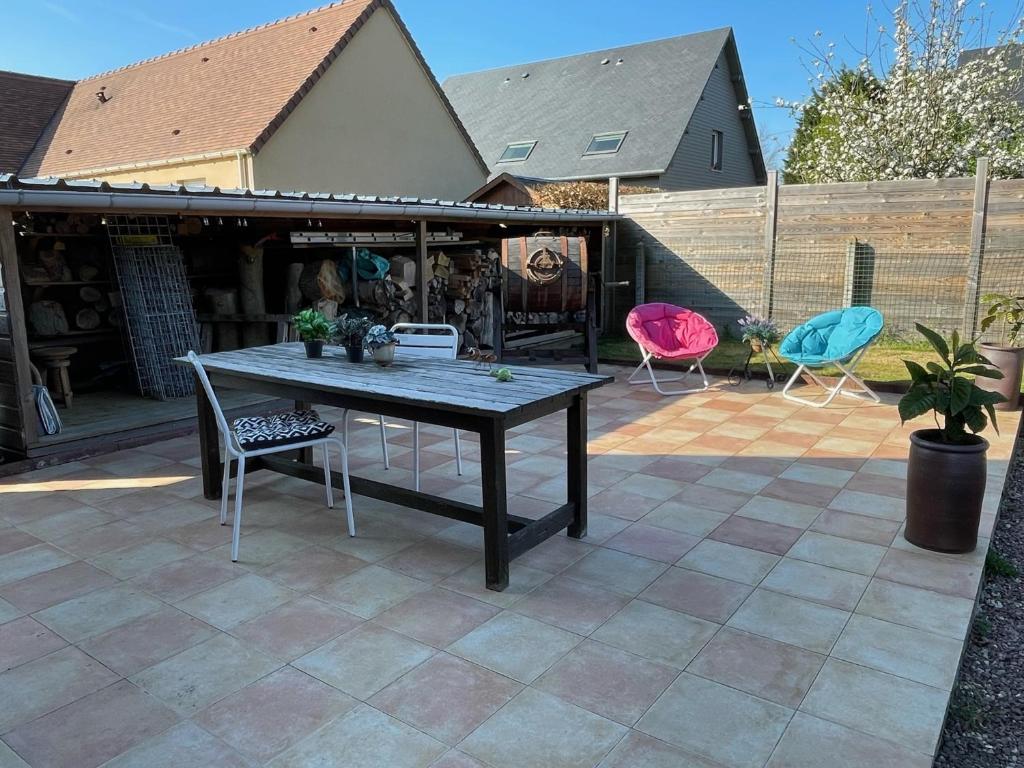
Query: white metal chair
(442, 343)
(251, 436)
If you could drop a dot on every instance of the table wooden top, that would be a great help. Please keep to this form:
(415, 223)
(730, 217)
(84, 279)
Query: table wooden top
(455, 385)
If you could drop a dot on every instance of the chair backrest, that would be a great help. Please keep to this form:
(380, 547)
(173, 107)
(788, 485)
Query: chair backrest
(834, 335)
(439, 340)
(222, 422)
(668, 329)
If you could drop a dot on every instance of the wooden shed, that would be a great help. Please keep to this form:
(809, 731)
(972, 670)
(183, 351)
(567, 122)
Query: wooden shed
(104, 283)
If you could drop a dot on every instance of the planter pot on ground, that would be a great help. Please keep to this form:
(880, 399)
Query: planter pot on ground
(1010, 362)
(355, 352)
(945, 490)
(314, 348)
(384, 355)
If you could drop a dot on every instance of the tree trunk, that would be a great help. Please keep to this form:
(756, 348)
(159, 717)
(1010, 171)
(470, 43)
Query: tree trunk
(224, 301)
(251, 295)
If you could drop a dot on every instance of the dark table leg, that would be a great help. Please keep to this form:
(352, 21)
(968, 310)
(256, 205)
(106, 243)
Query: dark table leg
(492, 478)
(209, 444)
(576, 467)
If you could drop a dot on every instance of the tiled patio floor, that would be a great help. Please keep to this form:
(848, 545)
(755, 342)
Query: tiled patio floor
(744, 598)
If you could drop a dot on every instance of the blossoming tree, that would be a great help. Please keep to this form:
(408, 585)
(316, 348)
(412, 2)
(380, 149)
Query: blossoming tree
(930, 112)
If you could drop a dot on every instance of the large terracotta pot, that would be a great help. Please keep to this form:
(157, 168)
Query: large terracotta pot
(945, 490)
(1010, 362)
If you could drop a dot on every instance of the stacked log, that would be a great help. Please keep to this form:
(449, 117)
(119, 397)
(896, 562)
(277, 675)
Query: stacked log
(463, 294)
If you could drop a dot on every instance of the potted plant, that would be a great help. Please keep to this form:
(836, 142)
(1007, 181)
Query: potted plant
(381, 343)
(759, 332)
(314, 329)
(946, 466)
(1008, 356)
(350, 330)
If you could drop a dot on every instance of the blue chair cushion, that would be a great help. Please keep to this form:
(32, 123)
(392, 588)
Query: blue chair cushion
(834, 336)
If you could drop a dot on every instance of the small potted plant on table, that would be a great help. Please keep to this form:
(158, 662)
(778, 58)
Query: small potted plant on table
(946, 466)
(351, 330)
(314, 329)
(1008, 356)
(381, 343)
(759, 332)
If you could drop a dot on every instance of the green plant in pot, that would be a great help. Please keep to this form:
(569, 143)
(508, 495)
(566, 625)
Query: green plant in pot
(314, 329)
(946, 466)
(759, 332)
(351, 330)
(1008, 354)
(381, 343)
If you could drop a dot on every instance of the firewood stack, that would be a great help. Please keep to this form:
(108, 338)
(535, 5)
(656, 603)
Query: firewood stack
(463, 293)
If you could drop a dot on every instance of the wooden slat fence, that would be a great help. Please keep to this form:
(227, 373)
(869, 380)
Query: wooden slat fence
(905, 247)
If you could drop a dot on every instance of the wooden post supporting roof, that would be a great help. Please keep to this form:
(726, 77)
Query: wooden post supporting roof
(771, 203)
(422, 281)
(15, 371)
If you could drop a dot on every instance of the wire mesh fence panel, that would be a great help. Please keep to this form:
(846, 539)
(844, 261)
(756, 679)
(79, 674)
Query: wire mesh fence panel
(159, 315)
(1002, 271)
(723, 282)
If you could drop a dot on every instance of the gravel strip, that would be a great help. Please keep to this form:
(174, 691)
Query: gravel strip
(985, 725)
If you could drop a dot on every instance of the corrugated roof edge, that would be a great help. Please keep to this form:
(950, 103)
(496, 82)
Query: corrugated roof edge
(255, 200)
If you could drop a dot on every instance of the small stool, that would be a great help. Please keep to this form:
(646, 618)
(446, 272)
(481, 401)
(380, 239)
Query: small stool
(57, 362)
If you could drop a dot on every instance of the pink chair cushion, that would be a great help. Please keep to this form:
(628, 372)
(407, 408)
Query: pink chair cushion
(668, 331)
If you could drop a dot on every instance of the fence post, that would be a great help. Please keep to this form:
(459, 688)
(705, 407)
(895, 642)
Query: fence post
(973, 290)
(640, 287)
(771, 202)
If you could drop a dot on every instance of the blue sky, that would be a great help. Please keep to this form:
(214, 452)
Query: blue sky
(76, 38)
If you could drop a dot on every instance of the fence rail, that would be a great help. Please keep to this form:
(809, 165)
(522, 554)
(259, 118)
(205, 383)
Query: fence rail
(919, 250)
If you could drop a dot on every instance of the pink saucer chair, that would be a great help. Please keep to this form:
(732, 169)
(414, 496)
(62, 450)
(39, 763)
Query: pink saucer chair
(668, 332)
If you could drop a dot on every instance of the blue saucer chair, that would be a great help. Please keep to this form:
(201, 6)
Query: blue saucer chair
(838, 338)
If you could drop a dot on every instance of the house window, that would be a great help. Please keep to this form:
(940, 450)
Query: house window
(716, 150)
(517, 151)
(605, 143)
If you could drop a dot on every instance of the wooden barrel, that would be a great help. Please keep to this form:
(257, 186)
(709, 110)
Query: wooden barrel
(544, 273)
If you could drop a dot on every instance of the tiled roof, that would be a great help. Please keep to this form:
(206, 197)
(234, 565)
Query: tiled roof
(26, 105)
(225, 95)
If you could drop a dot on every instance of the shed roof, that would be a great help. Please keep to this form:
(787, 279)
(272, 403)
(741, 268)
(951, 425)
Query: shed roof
(220, 96)
(27, 103)
(649, 89)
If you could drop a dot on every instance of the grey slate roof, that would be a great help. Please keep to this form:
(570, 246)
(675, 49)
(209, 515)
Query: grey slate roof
(1015, 61)
(563, 102)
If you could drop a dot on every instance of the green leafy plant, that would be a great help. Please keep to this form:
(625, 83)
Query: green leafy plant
(351, 329)
(312, 325)
(1008, 309)
(948, 389)
(378, 336)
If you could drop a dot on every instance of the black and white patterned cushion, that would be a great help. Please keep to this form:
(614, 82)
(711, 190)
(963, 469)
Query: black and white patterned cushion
(255, 432)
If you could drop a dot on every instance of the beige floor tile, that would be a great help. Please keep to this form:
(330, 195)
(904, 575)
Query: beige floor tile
(96, 612)
(899, 650)
(616, 571)
(790, 620)
(10, 759)
(734, 480)
(920, 569)
(698, 594)
(55, 586)
(760, 666)
(49, 682)
(607, 681)
(801, 747)
(779, 512)
(812, 473)
(310, 569)
(756, 534)
(446, 697)
(365, 660)
(836, 552)
(870, 504)
(236, 601)
(638, 750)
(205, 673)
(365, 737)
(560, 735)
(431, 560)
(921, 608)
(555, 555)
(830, 586)
(25, 639)
(139, 558)
(515, 646)
(729, 561)
(184, 578)
(685, 518)
(471, 582)
(437, 616)
(570, 604)
(66, 523)
(23, 563)
(657, 633)
(872, 530)
(295, 628)
(186, 745)
(893, 708)
(700, 715)
(453, 758)
(370, 591)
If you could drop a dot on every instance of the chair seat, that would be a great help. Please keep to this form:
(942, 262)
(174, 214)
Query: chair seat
(256, 432)
(832, 336)
(670, 332)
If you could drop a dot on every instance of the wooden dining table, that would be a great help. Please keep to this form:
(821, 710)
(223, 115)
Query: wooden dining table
(449, 393)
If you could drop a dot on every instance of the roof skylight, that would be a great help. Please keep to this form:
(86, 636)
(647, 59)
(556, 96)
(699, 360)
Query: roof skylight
(605, 143)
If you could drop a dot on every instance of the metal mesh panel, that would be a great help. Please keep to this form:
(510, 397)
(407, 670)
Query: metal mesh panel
(159, 315)
(1002, 271)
